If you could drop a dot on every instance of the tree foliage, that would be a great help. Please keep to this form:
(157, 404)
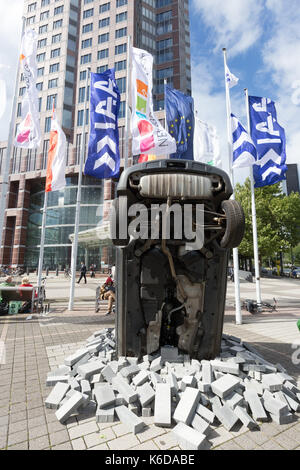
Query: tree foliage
(278, 219)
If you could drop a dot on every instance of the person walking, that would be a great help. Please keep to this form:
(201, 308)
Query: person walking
(82, 273)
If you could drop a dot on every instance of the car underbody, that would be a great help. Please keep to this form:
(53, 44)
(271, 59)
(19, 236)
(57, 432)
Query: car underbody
(171, 290)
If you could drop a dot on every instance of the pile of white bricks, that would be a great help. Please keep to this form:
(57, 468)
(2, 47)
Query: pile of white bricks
(237, 387)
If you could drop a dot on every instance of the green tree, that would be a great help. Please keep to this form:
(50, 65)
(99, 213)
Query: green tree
(278, 220)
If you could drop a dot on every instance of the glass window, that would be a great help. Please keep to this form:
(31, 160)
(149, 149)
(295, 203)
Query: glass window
(55, 53)
(103, 54)
(103, 38)
(85, 59)
(105, 7)
(51, 99)
(54, 68)
(56, 38)
(57, 24)
(121, 17)
(53, 83)
(43, 29)
(88, 13)
(86, 28)
(121, 49)
(121, 3)
(44, 15)
(120, 33)
(104, 22)
(86, 43)
(58, 10)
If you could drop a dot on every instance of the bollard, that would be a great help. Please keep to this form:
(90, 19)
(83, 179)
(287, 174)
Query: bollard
(47, 271)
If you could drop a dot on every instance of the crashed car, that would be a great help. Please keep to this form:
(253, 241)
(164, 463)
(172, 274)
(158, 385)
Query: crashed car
(171, 288)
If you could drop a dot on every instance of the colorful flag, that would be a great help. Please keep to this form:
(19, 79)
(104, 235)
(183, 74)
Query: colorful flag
(57, 158)
(231, 79)
(181, 122)
(29, 132)
(104, 155)
(149, 137)
(244, 151)
(206, 144)
(270, 142)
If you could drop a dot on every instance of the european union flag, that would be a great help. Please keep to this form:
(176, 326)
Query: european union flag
(181, 122)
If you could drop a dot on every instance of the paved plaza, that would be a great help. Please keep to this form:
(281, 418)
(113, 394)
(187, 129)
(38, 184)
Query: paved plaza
(29, 349)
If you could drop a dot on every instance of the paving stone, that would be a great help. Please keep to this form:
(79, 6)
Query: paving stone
(56, 395)
(145, 394)
(71, 406)
(105, 415)
(59, 437)
(187, 405)
(124, 389)
(225, 385)
(141, 378)
(244, 417)
(89, 369)
(166, 441)
(128, 418)
(255, 405)
(39, 444)
(149, 445)
(82, 430)
(105, 396)
(189, 439)
(200, 425)
(205, 413)
(99, 438)
(17, 437)
(123, 443)
(227, 367)
(37, 431)
(162, 407)
(226, 416)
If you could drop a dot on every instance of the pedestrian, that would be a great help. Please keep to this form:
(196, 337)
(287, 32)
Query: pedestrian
(108, 293)
(92, 270)
(82, 273)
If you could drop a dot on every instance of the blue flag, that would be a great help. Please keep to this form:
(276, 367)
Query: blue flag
(270, 142)
(181, 122)
(104, 155)
(244, 151)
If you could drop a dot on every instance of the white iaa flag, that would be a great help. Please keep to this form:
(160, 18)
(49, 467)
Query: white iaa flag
(57, 158)
(29, 131)
(206, 143)
(231, 79)
(149, 137)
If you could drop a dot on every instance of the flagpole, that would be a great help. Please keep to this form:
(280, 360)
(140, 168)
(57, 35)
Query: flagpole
(126, 155)
(166, 123)
(42, 243)
(6, 160)
(254, 218)
(238, 312)
(78, 201)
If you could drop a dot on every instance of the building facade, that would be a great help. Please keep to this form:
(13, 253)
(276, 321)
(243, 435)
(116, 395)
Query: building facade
(74, 35)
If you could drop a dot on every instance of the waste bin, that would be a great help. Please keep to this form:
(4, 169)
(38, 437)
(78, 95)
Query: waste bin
(171, 291)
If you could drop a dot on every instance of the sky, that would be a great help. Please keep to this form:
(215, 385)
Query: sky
(262, 38)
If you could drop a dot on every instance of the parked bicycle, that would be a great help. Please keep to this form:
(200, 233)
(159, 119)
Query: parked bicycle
(252, 306)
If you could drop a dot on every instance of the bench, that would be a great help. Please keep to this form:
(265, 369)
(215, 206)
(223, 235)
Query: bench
(19, 294)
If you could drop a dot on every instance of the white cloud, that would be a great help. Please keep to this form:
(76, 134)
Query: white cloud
(281, 58)
(234, 24)
(10, 36)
